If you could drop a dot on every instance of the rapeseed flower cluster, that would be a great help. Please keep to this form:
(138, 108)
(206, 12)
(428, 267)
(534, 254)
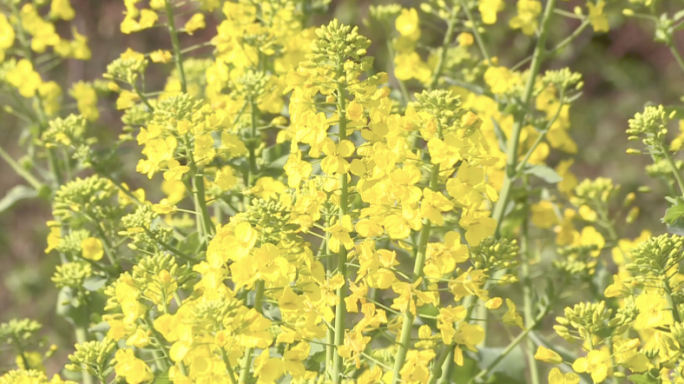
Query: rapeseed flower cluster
(309, 220)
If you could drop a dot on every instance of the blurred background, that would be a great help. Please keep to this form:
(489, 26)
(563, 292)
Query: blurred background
(622, 69)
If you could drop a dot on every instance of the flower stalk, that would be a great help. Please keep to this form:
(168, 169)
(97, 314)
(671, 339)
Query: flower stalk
(340, 309)
(514, 139)
(407, 325)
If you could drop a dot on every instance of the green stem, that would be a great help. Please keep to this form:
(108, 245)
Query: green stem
(106, 243)
(521, 166)
(40, 112)
(447, 351)
(407, 326)
(340, 309)
(82, 337)
(447, 367)
(677, 57)
(473, 27)
(528, 301)
(259, 294)
(176, 45)
(558, 47)
(142, 97)
(402, 87)
(204, 224)
(171, 248)
(514, 139)
(673, 167)
(26, 175)
(448, 36)
(330, 333)
(253, 142)
(164, 350)
(226, 361)
(670, 302)
(258, 306)
(198, 185)
(20, 352)
(509, 348)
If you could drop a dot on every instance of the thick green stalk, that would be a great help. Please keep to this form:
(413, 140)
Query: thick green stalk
(514, 139)
(231, 374)
(82, 337)
(330, 333)
(670, 302)
(407, 326)
(197, 179)
(447, 366)
(528, 301)
(259, 290)
(258, 306)
(341, 308)
(176, 45)
(253, 143)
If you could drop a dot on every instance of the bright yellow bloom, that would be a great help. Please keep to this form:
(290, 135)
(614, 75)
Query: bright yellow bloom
(465, 39)
(195, 23)
(500, 79)
(548, 356)
(62, 9)
(335, 163)
(132, 369)
(409, 66)
(92, 249)
(512, 316)
(86, 100)
(161, 56)
(557, 377)
(407, 24)
(654, 311)
(489, 9)
(24, 78)
(590, 236)
(597, 18)
(597, 363)
(526, 19)
(6, 35)
(339, 234)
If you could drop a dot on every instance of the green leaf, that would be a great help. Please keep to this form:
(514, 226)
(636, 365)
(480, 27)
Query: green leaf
(500, 136)
(678, 16)
(190, 245)
(645, 378)
(279, 163)
(94, 283)
(509, 369)
(15, 194)
(544, 172)
(674, 216)
(69, 307)
(461, 375)
(675, 212)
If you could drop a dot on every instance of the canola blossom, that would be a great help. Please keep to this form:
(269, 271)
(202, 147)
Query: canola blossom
(308, 218)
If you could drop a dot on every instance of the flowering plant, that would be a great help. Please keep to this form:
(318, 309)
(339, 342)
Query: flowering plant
(309, 219)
